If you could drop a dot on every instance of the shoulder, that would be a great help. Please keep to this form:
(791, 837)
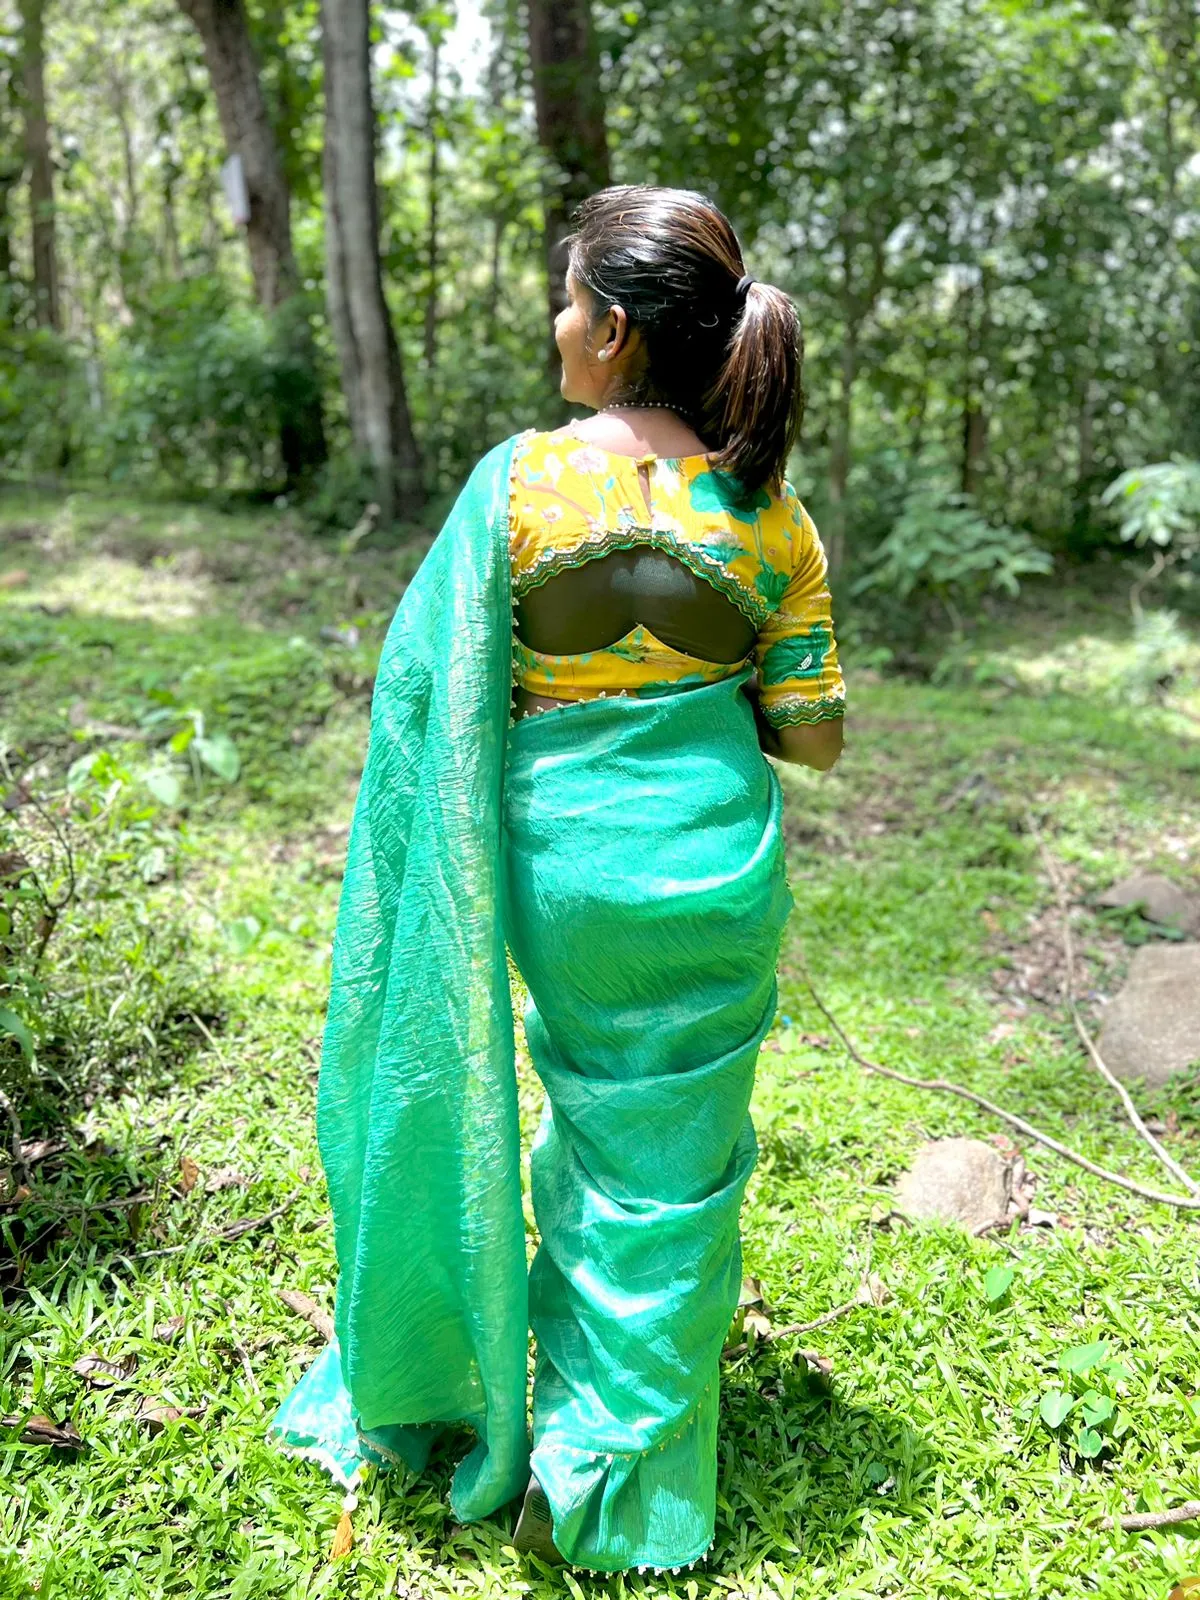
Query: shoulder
(505, 450)
(537, 449)
(806, 541)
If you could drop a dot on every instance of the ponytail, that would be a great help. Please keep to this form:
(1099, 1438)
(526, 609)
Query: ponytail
(720, 349)
(757, 402)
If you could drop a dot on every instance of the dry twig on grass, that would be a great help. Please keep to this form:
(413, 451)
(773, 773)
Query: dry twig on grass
(1089, 1044)
(232, 1230)
(944, 1086)
(305, 1306)
(1137, 1520)
(871, 1292)
(19, 1169)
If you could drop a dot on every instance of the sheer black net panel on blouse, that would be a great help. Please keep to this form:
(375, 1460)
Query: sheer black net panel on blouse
(593, 605)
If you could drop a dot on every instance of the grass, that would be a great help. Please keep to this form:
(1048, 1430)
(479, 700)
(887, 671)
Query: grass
(923, 1467)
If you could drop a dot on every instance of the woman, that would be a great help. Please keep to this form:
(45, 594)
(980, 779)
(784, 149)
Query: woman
(566, 757)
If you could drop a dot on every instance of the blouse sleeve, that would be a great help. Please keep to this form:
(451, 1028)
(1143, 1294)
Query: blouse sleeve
(796, 654)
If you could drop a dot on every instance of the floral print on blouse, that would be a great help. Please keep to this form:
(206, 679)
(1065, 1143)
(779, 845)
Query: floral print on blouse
(571, 502)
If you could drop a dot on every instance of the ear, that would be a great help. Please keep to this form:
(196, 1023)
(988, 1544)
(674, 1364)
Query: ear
(615, 331)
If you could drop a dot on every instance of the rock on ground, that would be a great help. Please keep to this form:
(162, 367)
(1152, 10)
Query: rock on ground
(956, 1180)
(1162, 900)
(1152, 1029)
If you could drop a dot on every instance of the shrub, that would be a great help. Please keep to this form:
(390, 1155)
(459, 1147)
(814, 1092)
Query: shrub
(44, 408)
(1158, 507)
(941, 548)
(191, 392)
(97, 972)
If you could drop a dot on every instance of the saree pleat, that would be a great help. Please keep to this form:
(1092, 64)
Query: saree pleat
(630, 852)
(645, 897)
(416, 1101)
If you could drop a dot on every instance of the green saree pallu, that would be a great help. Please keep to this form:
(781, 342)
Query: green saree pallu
(629, 852)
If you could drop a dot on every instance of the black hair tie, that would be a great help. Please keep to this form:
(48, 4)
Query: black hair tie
(743, 287)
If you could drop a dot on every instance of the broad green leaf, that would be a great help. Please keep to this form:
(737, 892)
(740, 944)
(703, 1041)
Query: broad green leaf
(153, 865)
(219, 754)
(997, 1282)
(1088, 1443)
(242, 934)
(1056, 1407)
(163, 785)
(1096, 1408)
(1083, 1357)
(12, 1025)
(81, 769)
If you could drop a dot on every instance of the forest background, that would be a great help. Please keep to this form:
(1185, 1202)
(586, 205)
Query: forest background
(986, 211)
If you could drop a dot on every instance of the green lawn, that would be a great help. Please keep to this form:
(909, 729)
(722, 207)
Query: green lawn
(190, 980)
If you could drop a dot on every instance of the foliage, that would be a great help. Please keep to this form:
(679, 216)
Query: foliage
(942, 547)
(43, 400)
(192, 392)
(980, 207)
(1160, 656)
(1089, 1375)
(1159, 506)
(922, 1461)
(92, 969)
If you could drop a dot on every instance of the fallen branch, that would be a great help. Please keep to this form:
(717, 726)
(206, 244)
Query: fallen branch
(944, 1086)
(1089, 1044)
(871, 1292)
(305, 1306)
(1137, 1520)
(19, 1168)
(232, 1230)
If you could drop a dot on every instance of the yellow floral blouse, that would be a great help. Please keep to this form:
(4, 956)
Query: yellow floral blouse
(571, 501)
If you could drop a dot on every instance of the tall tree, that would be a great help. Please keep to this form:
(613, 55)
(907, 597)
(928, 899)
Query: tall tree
(233, 71)
(372, 376)
(431, 298)
(41, 170)
(569, 105)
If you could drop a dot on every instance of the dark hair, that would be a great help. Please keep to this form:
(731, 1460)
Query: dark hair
(725, 356)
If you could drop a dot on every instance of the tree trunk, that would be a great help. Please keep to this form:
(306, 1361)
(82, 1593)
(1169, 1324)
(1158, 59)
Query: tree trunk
(366, 341)
(41, 172)
(10, 177)
(493, 299)
(840, 448)
(974, 417)
(233, 71)
(172, 253)
(1086, 434)
(570, 121)
(431, 298)
(975, 432)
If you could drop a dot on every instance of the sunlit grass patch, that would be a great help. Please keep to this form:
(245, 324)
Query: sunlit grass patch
(189, 1196)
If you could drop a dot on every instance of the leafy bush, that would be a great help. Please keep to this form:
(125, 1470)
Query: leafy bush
(342, 490)
(1158, 507)
(96, 972)
(191, 392)
(44, 406)
(941, 548)
(1161, 652)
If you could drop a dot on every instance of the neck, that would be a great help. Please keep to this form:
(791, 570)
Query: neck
(628, 430)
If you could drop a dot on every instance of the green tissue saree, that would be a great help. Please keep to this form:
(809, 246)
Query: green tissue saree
(629, 852)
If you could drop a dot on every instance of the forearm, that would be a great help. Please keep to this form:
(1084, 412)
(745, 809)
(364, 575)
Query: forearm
(817, 745)
(768, 736)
